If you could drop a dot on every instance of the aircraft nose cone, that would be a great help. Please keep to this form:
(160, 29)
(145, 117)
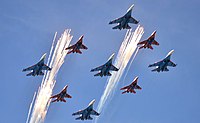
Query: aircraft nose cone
(112, 56)
(171, 52)
(130, 9)
(92, 102)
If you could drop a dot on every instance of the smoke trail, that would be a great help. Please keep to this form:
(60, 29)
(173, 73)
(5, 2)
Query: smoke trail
(128, 47)
(56, 60)
(30, 108)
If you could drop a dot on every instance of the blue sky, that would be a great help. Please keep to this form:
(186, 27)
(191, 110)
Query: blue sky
(26, 32)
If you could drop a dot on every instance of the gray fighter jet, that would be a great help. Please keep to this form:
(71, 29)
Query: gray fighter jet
(104, 69)
(37, 68)
(162, 65)
(85, 113)
(124, 20)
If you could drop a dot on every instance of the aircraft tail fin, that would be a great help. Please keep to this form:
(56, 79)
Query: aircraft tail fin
(78, 51)
(79, 118)
(30, 74)
(41, 73)
(156, 69)
(141, 47)
(99, 74)
(70, 52)
(117, 27)
(109, 74)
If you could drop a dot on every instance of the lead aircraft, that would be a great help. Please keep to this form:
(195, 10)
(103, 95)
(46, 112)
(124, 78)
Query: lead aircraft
(124, 20)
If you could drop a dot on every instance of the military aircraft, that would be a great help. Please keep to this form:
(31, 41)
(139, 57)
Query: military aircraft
(60, 97)
(76, 47)
(104, 69)
(150, 41)
(124, 20)
(85, 113)
(37, 68)
(162, 65)
(130, 88)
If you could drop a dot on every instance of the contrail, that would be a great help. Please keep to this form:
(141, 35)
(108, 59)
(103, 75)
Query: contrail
(55, 61)
(127, 49)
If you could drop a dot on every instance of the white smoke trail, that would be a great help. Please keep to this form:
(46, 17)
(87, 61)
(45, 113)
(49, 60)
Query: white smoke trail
(128, 47)
(30, 108)
(56, 60)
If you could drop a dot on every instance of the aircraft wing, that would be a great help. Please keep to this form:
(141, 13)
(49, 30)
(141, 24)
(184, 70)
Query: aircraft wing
(155, 64)
(93, 112)
(29, 68)
(98, 68)
(70, 47)
(170, 63)
(78, 112)
(45, 67)
(83, 47)
(68, 96)
(132, 20)
(155, 42)
(113, 68)
(54, 96)
(118, 20)
(142, 42)
(124, 87)
(138, 87)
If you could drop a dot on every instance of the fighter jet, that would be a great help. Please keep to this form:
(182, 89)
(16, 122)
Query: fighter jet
(76, 47)
(124, 20)
(130, 88)
(104, 69)
(162, 65)
(60, 97)
(150, 41)
(37, 68)
(85, 113)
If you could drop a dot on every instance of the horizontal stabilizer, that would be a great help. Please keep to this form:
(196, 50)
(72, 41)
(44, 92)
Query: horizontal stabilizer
(99, 74)
(30, 74)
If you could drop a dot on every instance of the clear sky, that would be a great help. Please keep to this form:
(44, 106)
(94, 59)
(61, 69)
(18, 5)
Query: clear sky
(26, 32)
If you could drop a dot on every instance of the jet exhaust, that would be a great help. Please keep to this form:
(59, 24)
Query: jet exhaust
(55, 61)
(127, 49)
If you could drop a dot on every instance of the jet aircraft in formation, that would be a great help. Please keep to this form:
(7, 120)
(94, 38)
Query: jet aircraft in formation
(124, 20)
(104, 69)
(60, 96)
(130, 88)
(76, 47)
(162, 65)
(150, 41)
(85, 113)
(37, 68)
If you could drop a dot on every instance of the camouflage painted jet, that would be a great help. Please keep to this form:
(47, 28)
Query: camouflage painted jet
(37, 68)
(150, 41)
(162, 65)
(85, 113)
(130, 88)
(104, 69)
(124, 20)
(76, 47)
(60, 97)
